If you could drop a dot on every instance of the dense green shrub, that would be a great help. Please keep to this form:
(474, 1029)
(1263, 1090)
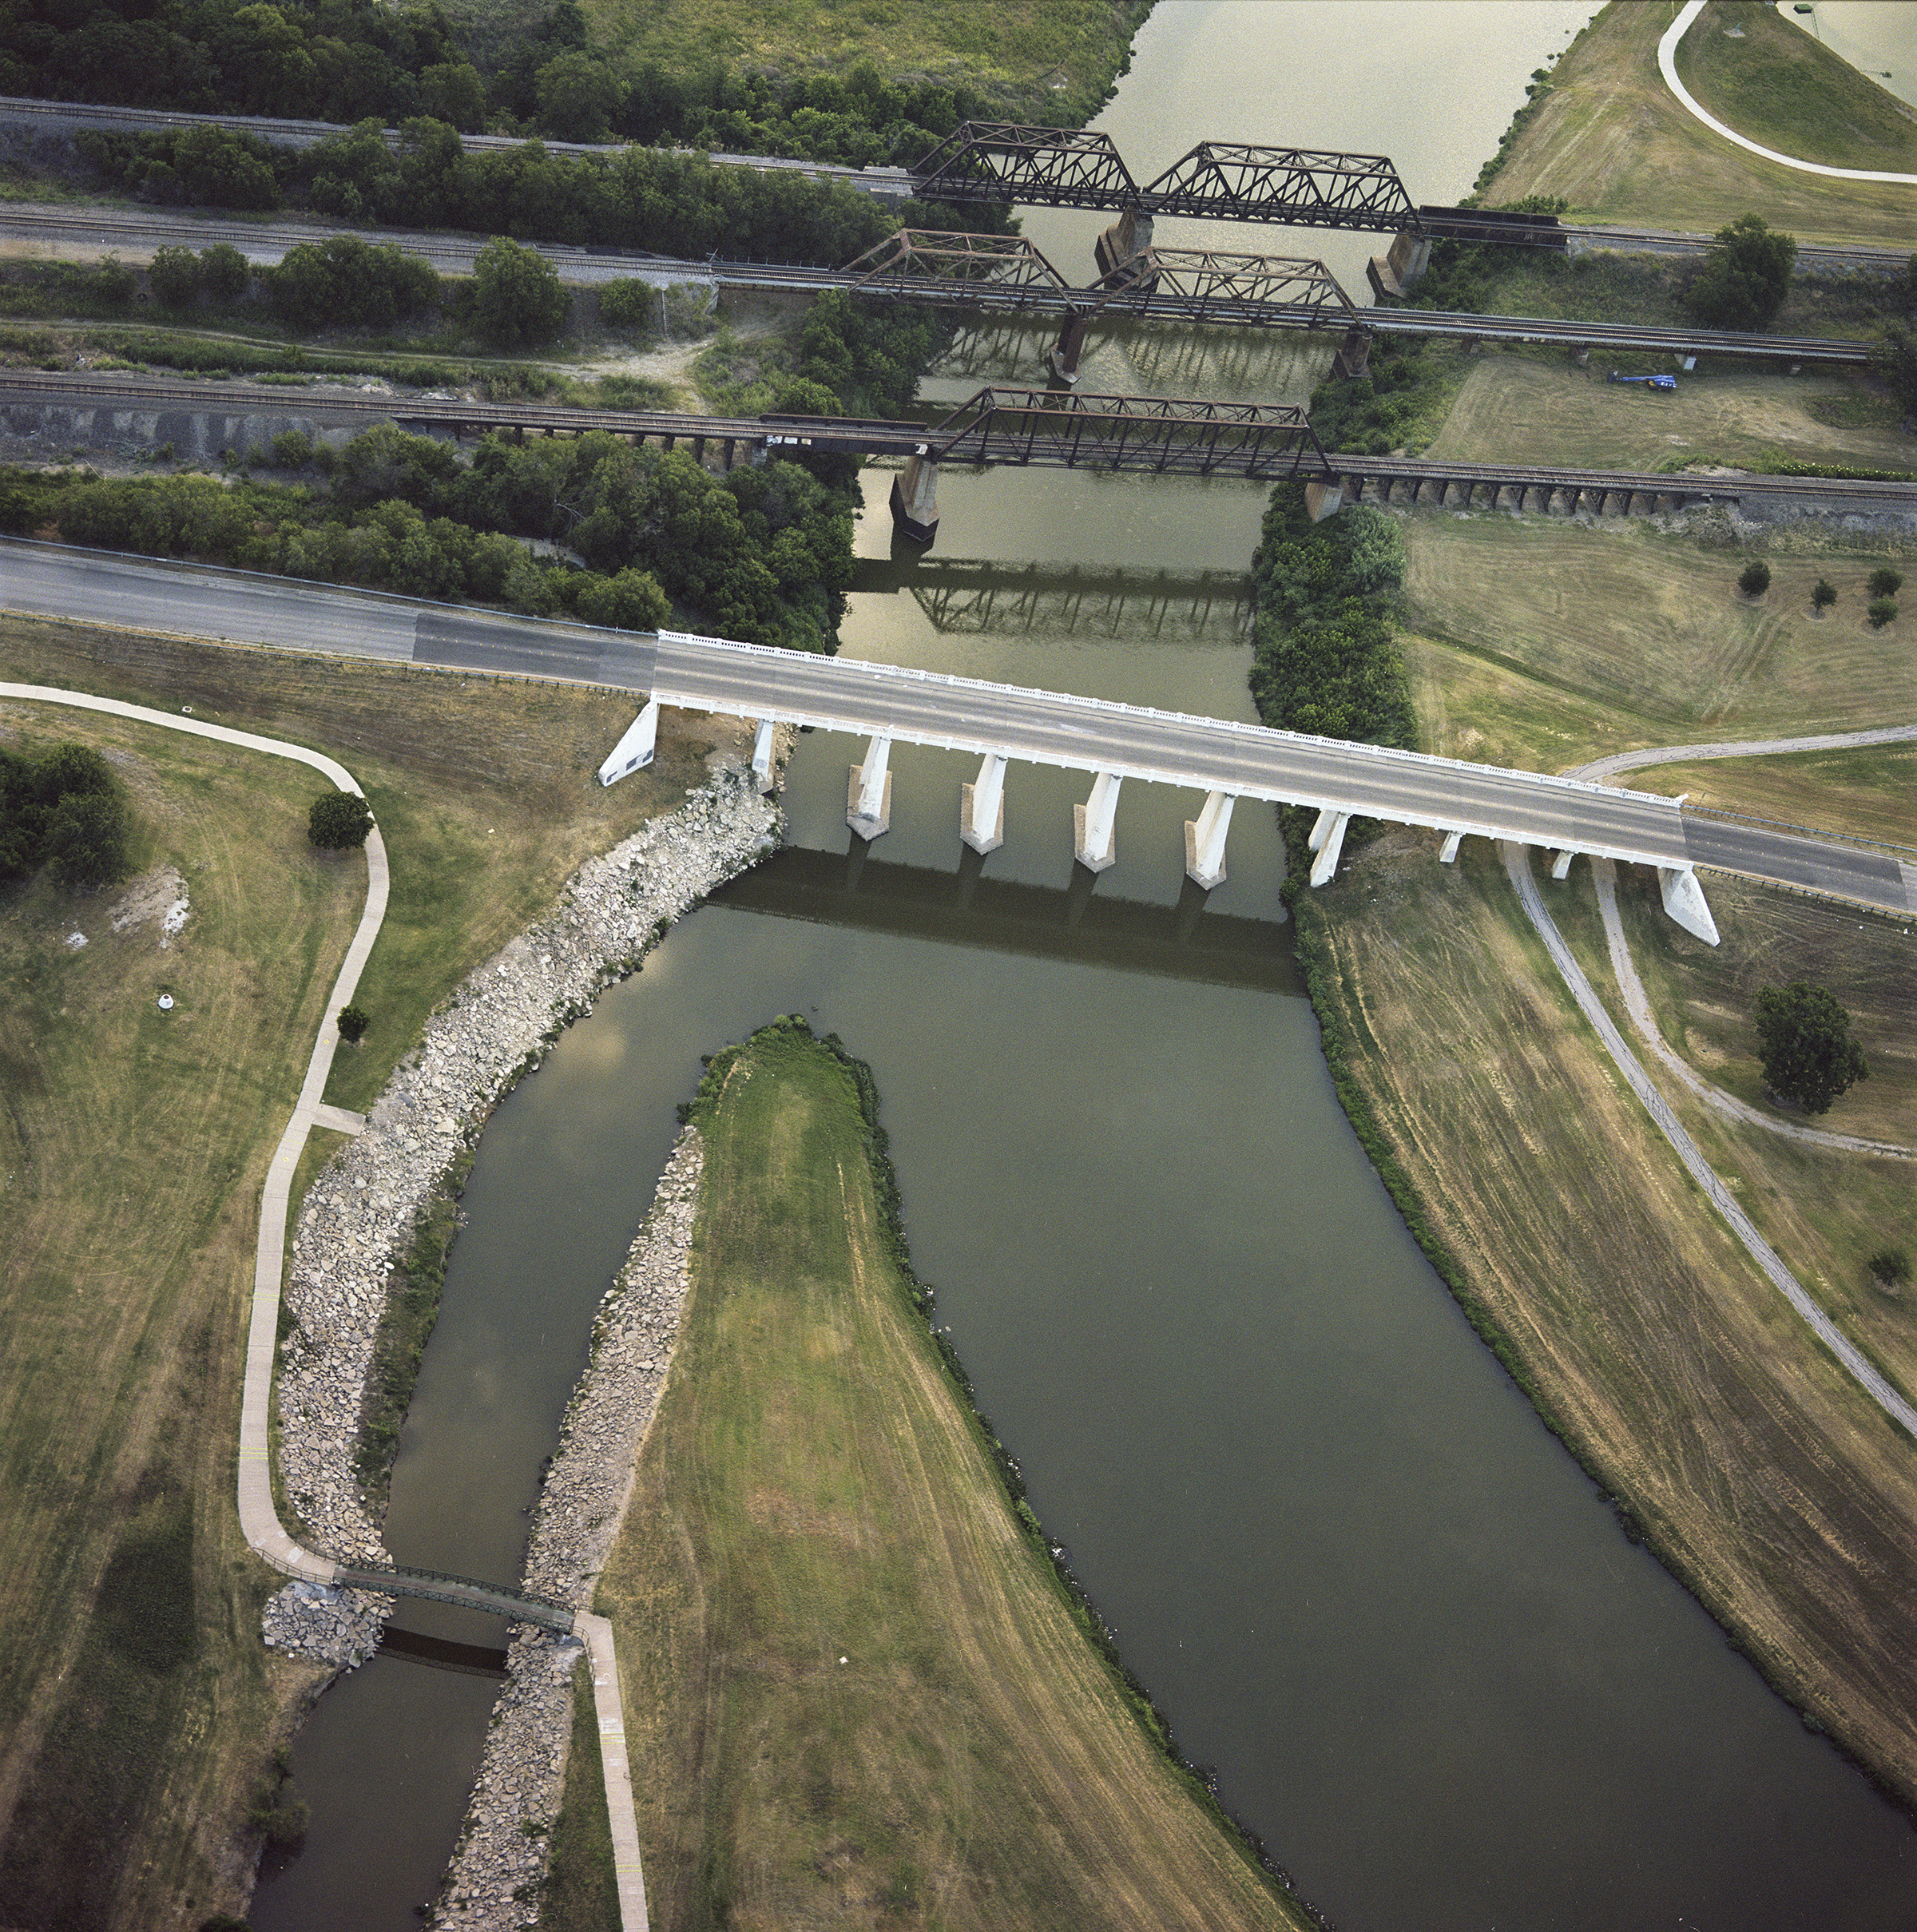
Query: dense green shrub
(1754, 579)
(1823, 596)
(346, 280)
(339, 821)
(174, 276)
(517, 299)
(1885, 582)
(64, 808)
(1881, 611)
(1745, 280)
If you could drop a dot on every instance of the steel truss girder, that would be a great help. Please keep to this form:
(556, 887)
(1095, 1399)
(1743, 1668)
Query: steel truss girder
(1171, 435)
(940, 259)
(1208, 282)
(996, 161)
(1300, 187)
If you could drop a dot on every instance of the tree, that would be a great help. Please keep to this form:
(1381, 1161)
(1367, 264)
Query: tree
(175, 277)
(87, 837)
(579, 94)
(1894, 358)
(1745, 278)
(454, 92)
(1804, 1045)
(225, 272)
(1824, 596)
(1755, 578)
(516, 295)
(339, 821)
(352, 1022)
(1881, 611)
(1886, 582)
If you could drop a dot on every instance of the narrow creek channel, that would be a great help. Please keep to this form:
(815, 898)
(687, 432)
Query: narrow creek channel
(1359, 1576)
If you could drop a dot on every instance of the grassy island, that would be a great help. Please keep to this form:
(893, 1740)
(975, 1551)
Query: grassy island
(856, 1690)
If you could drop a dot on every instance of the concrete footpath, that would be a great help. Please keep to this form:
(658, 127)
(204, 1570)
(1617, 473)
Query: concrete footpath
(259, 1516)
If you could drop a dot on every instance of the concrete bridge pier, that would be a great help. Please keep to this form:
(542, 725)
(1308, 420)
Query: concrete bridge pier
(762, 754)
(634, 751)
(915, 498)
(1354, 356)
(868, 795)
(982, 806)
(1323, 497)
(1131, 234)
(1581, 353)
(1449, 855)
(1204, 840)
(1094, 824)
(1066, 349)
(1685, 901)
(1328, 841)
(1560, 865)
(1402, 267)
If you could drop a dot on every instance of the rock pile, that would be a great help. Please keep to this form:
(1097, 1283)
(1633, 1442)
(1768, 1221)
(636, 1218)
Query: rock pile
(493, 1881)
(326, 1626)
(358, 1218)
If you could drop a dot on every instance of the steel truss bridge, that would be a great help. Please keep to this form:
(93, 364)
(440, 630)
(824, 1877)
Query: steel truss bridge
(998, 426)
(1007, 275)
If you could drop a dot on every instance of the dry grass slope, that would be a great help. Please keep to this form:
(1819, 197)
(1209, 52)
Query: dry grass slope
(137, 1702)
(1616, 143)
(855, 1693)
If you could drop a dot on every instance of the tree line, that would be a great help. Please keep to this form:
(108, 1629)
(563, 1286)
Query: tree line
(763, 554)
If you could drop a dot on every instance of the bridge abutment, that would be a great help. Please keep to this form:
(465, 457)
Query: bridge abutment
(1685, 901)
(1323, 497)
(1094, 824)
(915, 498)
(1204, 840)
(762, 753)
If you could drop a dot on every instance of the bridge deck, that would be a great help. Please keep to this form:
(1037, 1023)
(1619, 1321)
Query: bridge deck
(463, 1592)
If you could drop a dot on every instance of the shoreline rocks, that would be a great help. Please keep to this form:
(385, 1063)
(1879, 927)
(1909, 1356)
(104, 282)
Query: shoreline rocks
(494, 1880)
(358, 1215)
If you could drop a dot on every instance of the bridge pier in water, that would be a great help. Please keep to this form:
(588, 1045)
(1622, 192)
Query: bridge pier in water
(1204, 840)
(1354, 356)
(915, 498)
(1066, 351)
(1131, 234)
(1094, 824)
(868, 795)
(982, 806)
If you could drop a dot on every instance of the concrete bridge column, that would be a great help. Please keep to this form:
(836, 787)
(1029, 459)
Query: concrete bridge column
(1131, 234)
(1327, 841)
(1204, 840)
(1581, 353)
(915, 498)
(1560, 865)
(634, 751)
(1685, 901)
(1066, 349)
(1449, 855)
(1094, 824)
(982, 806)
(1354, 356)
(1323, 497)
(868, 795)
(762, 754)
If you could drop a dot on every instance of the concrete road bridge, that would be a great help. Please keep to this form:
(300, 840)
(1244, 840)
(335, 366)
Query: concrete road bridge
(1000, 724)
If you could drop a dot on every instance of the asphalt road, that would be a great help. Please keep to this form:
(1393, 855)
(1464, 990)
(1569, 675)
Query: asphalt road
(1035, 726)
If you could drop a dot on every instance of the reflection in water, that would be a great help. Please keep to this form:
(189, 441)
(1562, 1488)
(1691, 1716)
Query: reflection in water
(964, 907)
(964, 597)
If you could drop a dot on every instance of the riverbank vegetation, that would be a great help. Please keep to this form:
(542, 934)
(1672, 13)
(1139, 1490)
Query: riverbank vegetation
(1769, 1484)
(1611, 139)
(855, 1684)
(139, 1704)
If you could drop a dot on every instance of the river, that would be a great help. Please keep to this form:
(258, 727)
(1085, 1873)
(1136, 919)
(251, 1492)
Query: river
(1358, 1575)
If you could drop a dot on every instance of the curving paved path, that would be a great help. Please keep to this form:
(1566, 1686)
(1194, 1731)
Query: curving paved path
(1667, 65)
(1517, 864)
(258, 1517)
(1637, 1003)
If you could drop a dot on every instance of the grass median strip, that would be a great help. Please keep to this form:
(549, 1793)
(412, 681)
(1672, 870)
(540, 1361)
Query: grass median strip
(855, 1686)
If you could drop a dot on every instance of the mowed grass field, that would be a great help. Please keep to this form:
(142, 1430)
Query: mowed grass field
(138, 1706)
(1613, 140)
(1775, 1489)
(856, 1694)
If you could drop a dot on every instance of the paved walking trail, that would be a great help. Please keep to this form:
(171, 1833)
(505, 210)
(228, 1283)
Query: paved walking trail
(259, 1517)
(1667, 64)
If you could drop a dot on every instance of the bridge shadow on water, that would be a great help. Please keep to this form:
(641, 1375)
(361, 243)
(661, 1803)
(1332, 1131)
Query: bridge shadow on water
(442, 1653)
(964, 907)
